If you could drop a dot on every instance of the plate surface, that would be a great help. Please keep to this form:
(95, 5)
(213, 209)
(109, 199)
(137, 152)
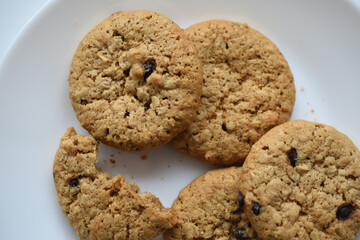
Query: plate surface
(320, 40)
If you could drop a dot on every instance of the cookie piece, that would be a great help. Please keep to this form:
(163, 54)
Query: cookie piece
(301, 180)
(210, 207)
(135, 81)
(248, 89)
(99, 206)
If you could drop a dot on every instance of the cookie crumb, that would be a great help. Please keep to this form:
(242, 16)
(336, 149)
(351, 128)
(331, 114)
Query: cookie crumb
(302, 89)
(312, 110)
(211, 115)
(143, 157)
(132, 177)
(169, 166)
(104, 161)
(111, 155)
(119, 152)
(75, 23)
(112, 161)
(124, 166)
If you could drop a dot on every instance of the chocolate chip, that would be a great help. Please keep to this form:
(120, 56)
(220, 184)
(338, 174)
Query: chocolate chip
(241, 199)
(256, 208)
(292, 155)
(149, 68)
(344, 212)
(146, 107)
(240, 233)
(74, 182)
(224, 128)
(126, 72)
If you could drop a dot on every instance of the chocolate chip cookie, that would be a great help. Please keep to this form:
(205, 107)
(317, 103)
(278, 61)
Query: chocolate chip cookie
(210, 207)
(135, 80)
(301, 180)
(99, 206)
(248, 89)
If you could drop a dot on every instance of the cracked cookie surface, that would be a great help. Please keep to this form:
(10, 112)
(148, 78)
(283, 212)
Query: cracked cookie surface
(248, 89)
(301, 180)
(135, 80)
(210, 208)
(99, 206)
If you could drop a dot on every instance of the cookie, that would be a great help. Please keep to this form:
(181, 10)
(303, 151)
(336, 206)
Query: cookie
(301, 180)
(248, 89)
(210, 207)
(135, 81)
(99, 206)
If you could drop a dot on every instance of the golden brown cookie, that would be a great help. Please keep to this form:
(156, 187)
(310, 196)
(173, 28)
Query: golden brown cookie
(248, 89)
(99, 206)
(135, 80)
(210, 207)
(301, 180)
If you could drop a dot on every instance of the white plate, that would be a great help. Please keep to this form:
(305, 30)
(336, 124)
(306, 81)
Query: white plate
(320, 40)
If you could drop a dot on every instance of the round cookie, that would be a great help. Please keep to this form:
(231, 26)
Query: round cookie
(301, 180)
(99, 206)
(248, 89)
(210, 208)
(135, 80)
